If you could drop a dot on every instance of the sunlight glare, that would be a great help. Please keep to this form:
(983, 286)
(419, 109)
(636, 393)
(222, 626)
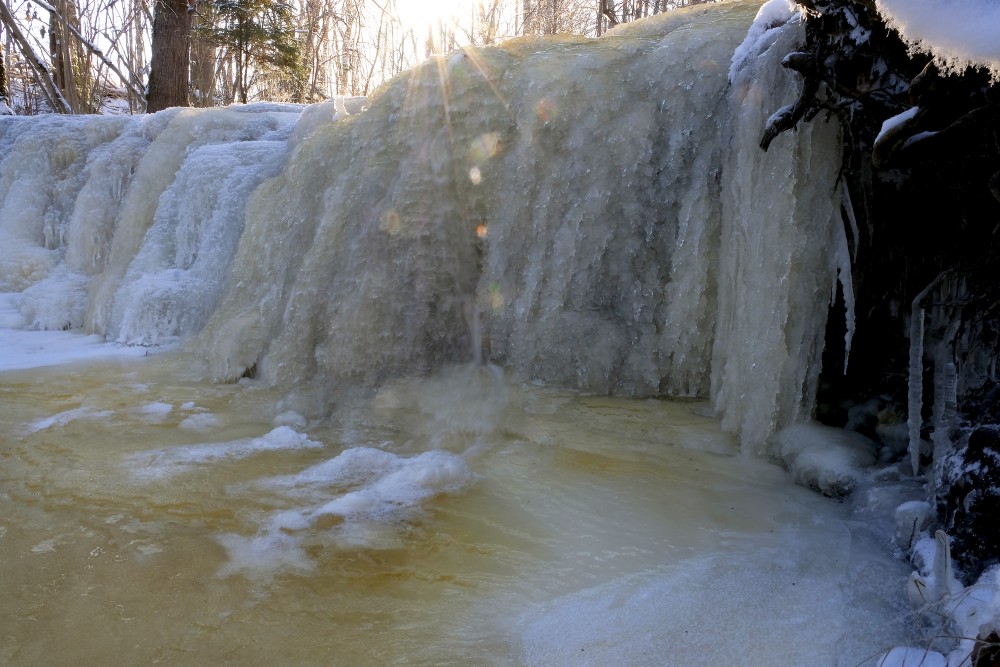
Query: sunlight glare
(420, 15)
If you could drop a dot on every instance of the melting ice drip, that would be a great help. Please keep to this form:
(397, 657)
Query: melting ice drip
(602, 203)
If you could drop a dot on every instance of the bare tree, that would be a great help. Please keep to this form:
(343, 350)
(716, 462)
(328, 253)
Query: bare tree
(39, 68)
(204, 57)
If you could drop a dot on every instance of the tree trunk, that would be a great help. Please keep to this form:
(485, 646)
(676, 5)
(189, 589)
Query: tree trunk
(64, 69)
(4, 89)
(168, 77)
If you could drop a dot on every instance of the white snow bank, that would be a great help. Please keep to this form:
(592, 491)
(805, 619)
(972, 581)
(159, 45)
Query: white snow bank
(170, 461)
(772, 14)
(958, 33)
(830, 460)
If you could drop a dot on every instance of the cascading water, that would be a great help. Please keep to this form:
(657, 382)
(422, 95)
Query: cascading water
(595, 216)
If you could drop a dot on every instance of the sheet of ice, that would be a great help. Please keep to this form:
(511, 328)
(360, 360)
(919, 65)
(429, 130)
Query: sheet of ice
(24, 349)
(667, 616)
(958, 33)
(33, 349)
(780, 233)
(170, 461)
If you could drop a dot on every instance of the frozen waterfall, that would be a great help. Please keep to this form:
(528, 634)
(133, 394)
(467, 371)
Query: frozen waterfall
(592, 214)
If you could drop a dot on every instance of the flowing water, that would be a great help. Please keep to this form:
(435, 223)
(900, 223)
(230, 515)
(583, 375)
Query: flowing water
(410, 409)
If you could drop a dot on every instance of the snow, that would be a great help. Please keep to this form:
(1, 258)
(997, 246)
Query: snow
(891, 124)
(772, 15)
(958, 33)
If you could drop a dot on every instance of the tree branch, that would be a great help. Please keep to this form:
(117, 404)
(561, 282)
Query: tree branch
(92, 48)
(38, 66)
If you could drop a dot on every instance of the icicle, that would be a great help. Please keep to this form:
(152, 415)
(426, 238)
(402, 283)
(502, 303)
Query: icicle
(845, 195)
(916, 381)
(915, 390)
(945, 403)
(842, 261)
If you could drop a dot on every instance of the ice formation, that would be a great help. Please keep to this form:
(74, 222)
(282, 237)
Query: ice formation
(830, 460)
(359, 493)
(530, 205)
(172, 461)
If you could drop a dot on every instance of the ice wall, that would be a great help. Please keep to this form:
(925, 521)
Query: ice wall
(592, 214)
(783, 248)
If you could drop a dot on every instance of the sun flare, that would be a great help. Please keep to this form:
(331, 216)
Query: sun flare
(421, 15)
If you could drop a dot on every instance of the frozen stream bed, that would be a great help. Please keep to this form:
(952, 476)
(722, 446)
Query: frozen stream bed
(464, 519)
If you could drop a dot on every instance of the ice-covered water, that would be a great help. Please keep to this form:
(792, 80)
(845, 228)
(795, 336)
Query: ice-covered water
(546, 529)
(307, 469)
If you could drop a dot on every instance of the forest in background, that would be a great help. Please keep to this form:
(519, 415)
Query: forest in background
(133, 56)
